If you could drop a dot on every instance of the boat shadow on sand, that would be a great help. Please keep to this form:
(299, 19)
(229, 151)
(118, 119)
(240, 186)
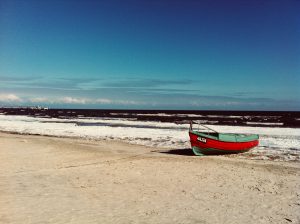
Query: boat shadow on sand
(189, 152)
(181, 152)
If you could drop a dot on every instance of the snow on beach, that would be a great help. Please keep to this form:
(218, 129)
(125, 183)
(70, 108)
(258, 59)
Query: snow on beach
(275, 143)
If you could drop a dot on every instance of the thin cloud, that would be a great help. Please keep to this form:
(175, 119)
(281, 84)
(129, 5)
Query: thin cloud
(10, 98)
(155, 100)
(141, 83)
(72, 100)
(133, 83)
(39, 100)
(82, 101)
(60, 100)
(39, 83)
(79, 84)
(18, 79)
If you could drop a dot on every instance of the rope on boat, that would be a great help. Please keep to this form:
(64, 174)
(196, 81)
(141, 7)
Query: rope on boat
(192, 122)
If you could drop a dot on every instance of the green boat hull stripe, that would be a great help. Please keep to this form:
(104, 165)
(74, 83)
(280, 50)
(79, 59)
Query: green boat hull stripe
(206, 151)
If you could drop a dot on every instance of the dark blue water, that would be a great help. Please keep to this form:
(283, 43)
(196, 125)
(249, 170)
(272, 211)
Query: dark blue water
(240, 118)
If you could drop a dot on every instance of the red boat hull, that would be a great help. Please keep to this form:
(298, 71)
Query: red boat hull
(212, 146)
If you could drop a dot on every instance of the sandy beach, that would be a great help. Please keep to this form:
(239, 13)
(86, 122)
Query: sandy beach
(69, 180)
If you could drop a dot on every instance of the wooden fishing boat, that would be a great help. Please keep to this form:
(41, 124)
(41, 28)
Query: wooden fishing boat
(209, 141)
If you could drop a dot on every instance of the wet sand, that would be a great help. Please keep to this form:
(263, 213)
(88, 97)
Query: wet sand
(65, 180)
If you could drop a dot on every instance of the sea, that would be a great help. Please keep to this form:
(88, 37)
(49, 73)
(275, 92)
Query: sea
(279, 131)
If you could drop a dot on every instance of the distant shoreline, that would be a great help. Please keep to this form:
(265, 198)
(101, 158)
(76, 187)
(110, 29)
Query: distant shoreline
(233, 118)
(153, 110)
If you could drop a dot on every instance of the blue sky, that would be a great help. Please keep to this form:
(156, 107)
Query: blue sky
(142, 54)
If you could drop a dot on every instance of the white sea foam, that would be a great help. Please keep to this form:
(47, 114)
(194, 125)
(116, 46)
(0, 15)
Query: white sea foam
(275, 143)
(265, 123)
(159, 115)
